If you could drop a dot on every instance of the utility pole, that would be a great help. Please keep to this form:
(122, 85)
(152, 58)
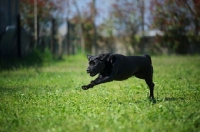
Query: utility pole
(35, 23)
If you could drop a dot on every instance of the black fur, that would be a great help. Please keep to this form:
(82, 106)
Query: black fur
(119, 67)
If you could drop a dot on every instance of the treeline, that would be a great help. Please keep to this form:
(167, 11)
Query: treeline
(127, 28)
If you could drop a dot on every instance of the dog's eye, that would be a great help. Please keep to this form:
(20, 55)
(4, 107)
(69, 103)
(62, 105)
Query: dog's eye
(92, 63)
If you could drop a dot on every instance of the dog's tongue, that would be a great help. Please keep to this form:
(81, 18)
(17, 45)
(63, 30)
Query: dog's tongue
(92, 74)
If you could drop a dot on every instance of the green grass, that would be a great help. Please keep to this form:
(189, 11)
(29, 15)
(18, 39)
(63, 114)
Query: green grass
(50, 99)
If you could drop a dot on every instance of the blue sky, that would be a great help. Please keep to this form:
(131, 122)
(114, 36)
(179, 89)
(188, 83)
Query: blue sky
(103, 6)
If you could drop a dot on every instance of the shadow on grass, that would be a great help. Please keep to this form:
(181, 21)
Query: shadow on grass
(167, 99)
(156, 101)
(37, 58)
(9, 91)
(173, 99)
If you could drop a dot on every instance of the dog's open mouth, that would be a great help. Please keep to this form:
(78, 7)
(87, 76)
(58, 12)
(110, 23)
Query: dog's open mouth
(92, 74)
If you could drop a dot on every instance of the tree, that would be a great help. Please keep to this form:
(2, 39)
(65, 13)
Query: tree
(84, 21)
(128, 19)
(94, 47)
(126, 16)
(180, 22)
(82, 42)
(44, 11)
(38, 16)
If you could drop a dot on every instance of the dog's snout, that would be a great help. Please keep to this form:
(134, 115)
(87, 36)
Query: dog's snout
(88, 70)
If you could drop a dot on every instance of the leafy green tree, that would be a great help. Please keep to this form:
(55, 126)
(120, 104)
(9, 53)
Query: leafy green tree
(180, 22)
(45, 10)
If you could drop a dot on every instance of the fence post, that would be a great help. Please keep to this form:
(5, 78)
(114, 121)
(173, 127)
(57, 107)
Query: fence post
(18, 36)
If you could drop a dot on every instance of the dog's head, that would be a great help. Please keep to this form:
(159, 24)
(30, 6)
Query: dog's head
(97, 63)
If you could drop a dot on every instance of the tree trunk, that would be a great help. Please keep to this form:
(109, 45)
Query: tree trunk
(18, 36)
(94, 47)
(82, 39)
(35, 23)
(53, 40)
(82, 42)
(68, 37)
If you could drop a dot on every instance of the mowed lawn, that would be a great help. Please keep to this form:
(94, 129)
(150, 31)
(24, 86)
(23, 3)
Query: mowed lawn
(50, 99)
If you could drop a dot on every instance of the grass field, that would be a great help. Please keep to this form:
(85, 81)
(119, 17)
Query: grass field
(50, 99)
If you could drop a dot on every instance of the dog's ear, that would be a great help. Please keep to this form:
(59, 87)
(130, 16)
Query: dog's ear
(89, 57)
(111, 58)
(104, 57)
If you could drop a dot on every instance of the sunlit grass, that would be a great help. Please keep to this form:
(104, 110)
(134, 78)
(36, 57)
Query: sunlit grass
(50, 98)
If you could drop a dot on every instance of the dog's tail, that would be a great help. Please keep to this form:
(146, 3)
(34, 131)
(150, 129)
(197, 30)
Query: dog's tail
(148, 58)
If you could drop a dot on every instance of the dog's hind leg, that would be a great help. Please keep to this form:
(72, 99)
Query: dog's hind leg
(150, 84)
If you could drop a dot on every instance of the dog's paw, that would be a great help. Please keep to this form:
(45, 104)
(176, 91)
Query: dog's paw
(152, 100)
(85, 87)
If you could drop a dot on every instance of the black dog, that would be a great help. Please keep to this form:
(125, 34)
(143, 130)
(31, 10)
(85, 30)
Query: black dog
(119, 67)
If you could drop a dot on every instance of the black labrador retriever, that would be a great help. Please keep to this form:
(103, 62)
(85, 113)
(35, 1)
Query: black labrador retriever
(119, 67)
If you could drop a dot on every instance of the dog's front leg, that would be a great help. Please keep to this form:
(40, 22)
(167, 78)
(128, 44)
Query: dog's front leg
(100, 79)
(86, 87)
(92, 83)
(104, 80)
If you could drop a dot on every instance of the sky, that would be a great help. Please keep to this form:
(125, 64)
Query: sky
(103, 7)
